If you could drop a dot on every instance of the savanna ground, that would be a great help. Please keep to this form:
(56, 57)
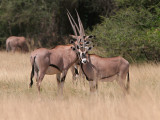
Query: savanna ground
(17, 102)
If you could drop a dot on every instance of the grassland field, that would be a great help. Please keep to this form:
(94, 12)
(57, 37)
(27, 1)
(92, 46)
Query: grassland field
(18, 102)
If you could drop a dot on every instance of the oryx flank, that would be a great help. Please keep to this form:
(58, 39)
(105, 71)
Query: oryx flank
(14, 43)
(55, 61)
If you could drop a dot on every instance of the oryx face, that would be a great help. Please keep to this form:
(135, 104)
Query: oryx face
(80, 39)
(82, 52)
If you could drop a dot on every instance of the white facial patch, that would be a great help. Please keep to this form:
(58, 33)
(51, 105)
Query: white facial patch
(84, 60)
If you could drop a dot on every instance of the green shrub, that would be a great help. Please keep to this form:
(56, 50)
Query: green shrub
(133, 34)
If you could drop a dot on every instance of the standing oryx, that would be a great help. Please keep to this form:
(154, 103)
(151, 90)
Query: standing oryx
(14, 42)
(55, 61)
(97, 68)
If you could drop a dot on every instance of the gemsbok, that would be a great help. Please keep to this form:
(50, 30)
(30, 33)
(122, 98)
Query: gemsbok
(57, 60)
(97, 68)
(14, 42)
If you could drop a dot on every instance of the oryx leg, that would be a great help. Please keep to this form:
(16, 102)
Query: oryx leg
(74, 71)
(13, 49)
(93, 86)
(41, 65)
(121, 81)
(60, 81)
(82, 76)
(39, 79)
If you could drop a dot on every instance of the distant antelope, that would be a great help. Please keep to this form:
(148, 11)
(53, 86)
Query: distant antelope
(55, 61)
(14, 42)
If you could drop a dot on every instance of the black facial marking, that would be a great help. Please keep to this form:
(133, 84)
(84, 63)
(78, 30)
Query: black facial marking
(83, 55)
(108, 76)
(73, 48)
(77, 47)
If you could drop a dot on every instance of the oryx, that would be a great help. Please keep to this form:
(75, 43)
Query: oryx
(57, 60)
(14, 42)
(97, 68)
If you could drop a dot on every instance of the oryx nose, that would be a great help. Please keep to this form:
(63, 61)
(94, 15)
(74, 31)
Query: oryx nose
(84, 60)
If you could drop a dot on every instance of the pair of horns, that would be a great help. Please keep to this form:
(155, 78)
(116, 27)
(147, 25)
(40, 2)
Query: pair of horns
(75, 27)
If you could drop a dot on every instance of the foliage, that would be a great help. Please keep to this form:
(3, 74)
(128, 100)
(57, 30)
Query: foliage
(133, 32)
(45, 21)
(29, 18)
(123, 27)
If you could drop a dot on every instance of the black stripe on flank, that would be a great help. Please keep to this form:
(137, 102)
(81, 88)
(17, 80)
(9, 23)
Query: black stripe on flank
(52, 65)
(108, 76)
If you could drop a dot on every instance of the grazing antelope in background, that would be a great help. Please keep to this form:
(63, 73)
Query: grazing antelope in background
(13, 43)
(55, 61)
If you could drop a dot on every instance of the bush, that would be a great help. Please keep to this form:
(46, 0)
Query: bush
(131, 33)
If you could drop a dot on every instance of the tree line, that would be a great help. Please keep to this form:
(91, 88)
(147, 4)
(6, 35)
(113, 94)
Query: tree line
(122, 27)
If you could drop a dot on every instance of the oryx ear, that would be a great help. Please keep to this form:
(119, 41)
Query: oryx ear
(73, 36)
(92, 36)
(90, 48)
(73, 48)
(87, 43)
(71, 41)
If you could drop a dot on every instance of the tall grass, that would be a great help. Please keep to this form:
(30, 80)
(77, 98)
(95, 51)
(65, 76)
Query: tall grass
(17, 102)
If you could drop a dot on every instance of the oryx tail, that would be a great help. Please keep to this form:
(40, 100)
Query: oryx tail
(128, 82)
(32, 72)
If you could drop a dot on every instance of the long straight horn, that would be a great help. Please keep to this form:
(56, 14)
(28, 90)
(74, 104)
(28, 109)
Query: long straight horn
(80, 25)
(73, 21)
(82, 34)
(73, 26)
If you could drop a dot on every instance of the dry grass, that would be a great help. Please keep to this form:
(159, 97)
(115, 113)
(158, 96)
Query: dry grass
(17, 102)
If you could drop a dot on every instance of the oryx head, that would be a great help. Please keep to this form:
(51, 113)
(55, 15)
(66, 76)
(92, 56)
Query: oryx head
(81, 45)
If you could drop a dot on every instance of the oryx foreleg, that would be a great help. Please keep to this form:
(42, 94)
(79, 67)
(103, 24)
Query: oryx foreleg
(13, 49)
(93, 86)
(74, 71)
(60, 81)
(121, 81)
